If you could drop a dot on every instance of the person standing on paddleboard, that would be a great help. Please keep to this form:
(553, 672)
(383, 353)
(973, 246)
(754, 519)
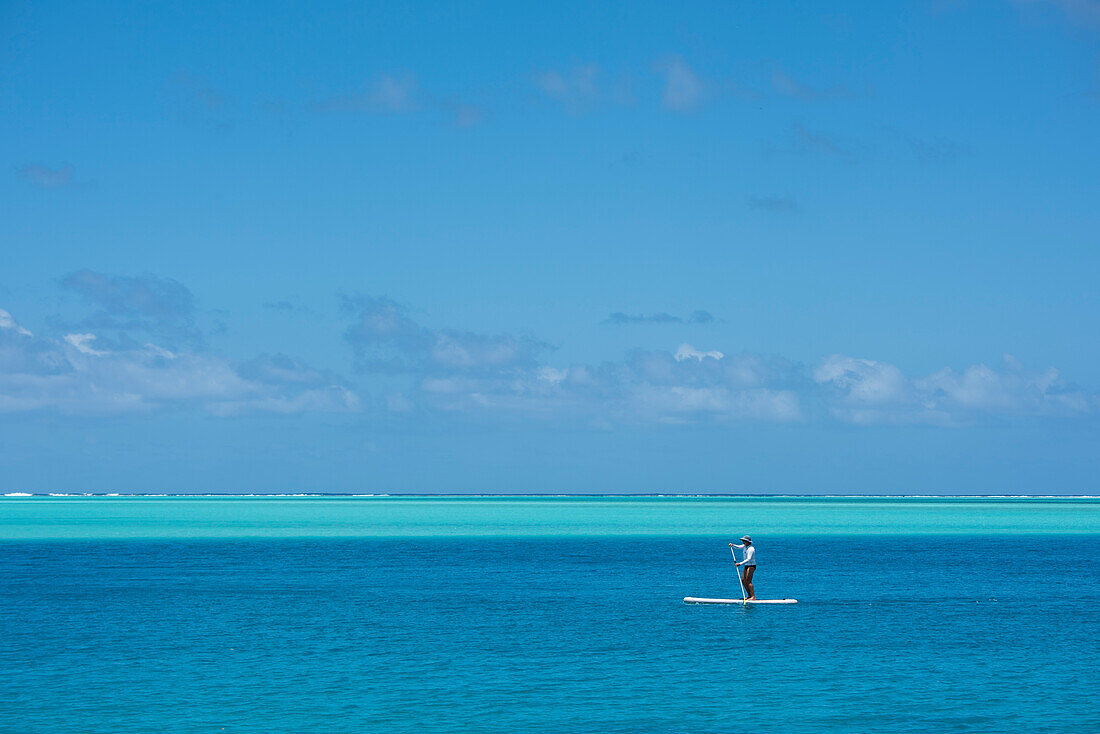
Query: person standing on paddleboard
(747, 565)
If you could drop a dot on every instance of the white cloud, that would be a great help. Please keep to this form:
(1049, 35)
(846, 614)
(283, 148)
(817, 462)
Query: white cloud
(465, 373)
(866, 391)
(647, 388)
(8, 323)
(863, 380)
(500, 377)
(161, 307)
(332, 399)
(1014, 391)
(70, 375)
(686, 351)
(549, 374)
(691, 386)
(385, 339)
(465, 351)
(83, 343)
(722, 402)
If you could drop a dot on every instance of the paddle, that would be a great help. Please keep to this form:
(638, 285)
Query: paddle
(737, 570)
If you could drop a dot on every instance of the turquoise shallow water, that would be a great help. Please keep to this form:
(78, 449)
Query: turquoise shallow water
(546, 615)
(101, 518)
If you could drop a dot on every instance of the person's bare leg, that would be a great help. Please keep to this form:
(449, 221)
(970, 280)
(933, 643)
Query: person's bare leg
(749, 570)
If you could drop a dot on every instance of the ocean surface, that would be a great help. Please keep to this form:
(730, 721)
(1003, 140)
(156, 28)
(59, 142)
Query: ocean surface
(547, 614)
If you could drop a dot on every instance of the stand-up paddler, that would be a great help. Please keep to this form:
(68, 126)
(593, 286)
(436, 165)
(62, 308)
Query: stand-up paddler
(747, 565)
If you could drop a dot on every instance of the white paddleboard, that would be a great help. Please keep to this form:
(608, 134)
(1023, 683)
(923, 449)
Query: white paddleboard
(698, 600)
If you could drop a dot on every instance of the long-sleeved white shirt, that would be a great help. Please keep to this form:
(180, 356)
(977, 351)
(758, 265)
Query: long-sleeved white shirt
(750, 555)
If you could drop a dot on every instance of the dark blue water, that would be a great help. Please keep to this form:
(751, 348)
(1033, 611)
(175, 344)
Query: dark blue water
(892, 634)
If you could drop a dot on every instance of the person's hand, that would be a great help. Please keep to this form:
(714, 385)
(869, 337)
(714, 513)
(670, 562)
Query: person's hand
(731, 545)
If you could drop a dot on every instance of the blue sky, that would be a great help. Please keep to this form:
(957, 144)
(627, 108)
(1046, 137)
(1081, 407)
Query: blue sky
(744, 247)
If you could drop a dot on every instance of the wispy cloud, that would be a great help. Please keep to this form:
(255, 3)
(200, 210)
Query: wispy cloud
(75, 374)
(401, 94)
(384, 338)
(584, 88)
(869, 391)
(478, 376)
(510, 377)
(149, 304)
(392, 94)
(124, 358)
(647, 387)
(47, 178)
(120, 295)
(469, 373)
(686, 351)
(706, 385)
(682, 89)
(619, 318)
(576, 88)
(7, 323)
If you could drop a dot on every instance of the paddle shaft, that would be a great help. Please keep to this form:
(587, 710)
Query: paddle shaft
(737, 570)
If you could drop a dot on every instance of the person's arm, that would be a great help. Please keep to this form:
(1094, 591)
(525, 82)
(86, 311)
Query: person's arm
(735, 561)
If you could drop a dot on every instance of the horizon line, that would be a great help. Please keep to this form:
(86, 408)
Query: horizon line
(550, 494)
